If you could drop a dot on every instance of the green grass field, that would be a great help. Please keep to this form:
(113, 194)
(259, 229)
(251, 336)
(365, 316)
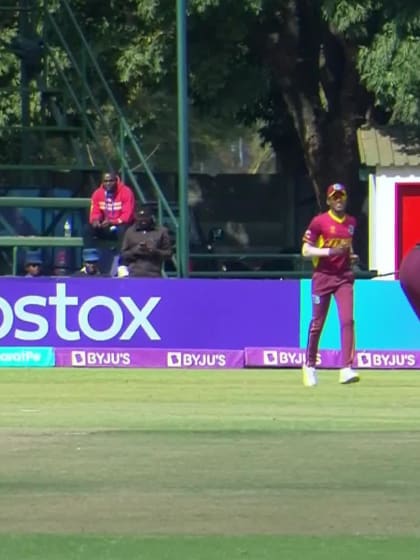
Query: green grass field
(220, 465)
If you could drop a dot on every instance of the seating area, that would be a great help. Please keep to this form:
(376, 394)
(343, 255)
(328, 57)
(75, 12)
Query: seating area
(40, 241)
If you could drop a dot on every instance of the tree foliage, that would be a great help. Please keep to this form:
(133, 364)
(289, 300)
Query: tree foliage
(387, 35)
(308, 74)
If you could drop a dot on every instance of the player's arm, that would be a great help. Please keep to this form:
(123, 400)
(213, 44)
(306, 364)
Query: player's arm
(354, 257)
(310, 251)
(128, 206)
(311, 237)
(95, 213)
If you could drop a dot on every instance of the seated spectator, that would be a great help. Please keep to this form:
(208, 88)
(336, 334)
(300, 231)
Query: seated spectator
(33, 264)
(111, 212)
(90, 266)
(145, 247)
(62, 262)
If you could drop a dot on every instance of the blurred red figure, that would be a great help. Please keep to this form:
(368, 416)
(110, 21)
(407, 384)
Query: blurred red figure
(410, 277)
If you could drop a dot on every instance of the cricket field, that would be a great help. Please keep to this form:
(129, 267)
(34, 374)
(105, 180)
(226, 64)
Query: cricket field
(208, 465)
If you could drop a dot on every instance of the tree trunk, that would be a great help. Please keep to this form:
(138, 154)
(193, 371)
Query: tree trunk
(317, 77)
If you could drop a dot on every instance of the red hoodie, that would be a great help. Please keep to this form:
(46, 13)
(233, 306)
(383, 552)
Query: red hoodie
(117, 207)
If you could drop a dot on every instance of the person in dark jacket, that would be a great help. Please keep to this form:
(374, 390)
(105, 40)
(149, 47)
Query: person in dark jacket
(145, 246)
(90, 268)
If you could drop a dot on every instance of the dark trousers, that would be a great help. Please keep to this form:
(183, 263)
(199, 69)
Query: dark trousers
(108, 242)
(323, 287)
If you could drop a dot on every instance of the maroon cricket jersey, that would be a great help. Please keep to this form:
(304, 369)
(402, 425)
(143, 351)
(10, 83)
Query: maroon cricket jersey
(327, 230)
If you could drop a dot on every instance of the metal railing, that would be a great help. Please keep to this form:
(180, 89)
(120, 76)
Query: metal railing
(225, 265)
(80, 89)
(122, 140)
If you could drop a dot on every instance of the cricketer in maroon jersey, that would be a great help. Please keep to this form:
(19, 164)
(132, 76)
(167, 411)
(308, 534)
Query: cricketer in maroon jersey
(329, 242)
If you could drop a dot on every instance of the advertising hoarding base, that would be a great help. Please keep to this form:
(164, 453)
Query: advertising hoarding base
(328, 359)
(184, 358)
(149, 358)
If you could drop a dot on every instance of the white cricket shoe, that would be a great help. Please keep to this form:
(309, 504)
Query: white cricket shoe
(122, 271)
(310, 378)
(348, 375)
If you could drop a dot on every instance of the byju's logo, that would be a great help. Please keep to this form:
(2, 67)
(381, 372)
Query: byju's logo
(54, 311)
(195, 360)
(286, 358)
(174, 359)
(89, 358)
(270, 358)
(78, 358)
(386, 360)
(364, 360)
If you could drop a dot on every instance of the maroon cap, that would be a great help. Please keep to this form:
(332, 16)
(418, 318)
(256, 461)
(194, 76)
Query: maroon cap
(336, 188)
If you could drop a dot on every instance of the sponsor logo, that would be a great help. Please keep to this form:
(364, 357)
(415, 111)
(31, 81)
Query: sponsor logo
(195, 359)
(385, 360)
(85, 358)
(31, 313)
(78, 358)
(27, 357)
(284, 358)
(364, 360)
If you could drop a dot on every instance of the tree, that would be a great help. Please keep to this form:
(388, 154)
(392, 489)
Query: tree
(313, 72)
(310, 72)
(325, 68)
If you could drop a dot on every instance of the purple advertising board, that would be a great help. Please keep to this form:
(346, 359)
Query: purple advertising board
(364, 359)
(148, 358)
(148, 313)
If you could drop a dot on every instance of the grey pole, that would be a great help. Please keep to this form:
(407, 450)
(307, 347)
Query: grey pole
(183, 156)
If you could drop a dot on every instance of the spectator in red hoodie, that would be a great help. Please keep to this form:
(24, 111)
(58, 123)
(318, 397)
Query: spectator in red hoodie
(112, 207)
(112, 210)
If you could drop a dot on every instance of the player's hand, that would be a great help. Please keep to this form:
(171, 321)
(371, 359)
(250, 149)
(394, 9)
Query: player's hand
(354, 259)
(105, 224)
(96, 224)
